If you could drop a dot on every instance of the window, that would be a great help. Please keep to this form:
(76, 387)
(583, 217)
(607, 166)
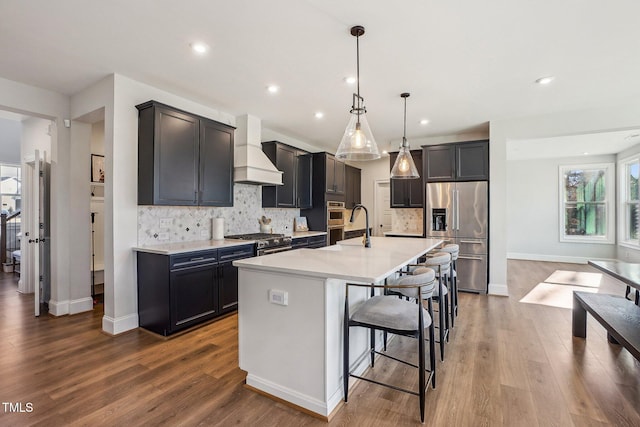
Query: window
(630, 203)
(10, 188)
(586, 203)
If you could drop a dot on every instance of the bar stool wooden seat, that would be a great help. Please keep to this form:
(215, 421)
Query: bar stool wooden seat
(397, 316)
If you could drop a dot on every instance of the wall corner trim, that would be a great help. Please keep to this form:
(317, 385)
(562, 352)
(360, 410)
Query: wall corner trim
(498, 289)
(58, 308)
(115, 326)
(80, 305)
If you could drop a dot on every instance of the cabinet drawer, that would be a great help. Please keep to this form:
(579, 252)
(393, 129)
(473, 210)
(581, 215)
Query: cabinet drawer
(236, 252)
(193, 259)
(301, 242)
(317, 241)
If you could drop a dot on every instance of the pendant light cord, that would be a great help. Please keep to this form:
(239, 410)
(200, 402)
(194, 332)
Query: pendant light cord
(404, 135)
(358, 73)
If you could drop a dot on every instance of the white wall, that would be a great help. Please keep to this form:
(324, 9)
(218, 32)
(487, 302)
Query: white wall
(533, 212)
(25, 99)
(502, 131)
(10, 131)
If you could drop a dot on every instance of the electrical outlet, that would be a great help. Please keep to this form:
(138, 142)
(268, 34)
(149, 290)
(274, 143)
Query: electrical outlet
(163, 236)
(165, 222)
(278, 297)
(204, 233)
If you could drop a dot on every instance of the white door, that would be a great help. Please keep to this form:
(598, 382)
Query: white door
(383, 208)
(34, 230)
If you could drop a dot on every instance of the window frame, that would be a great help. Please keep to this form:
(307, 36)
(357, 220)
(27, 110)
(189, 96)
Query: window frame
(19, 193)
(609, 203)
(624, 201)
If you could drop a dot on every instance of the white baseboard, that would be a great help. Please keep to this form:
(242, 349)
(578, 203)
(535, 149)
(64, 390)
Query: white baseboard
(119, 325)
(552, 258)
(58, 308)
(285, 393)
(80, 305)
(498, 289)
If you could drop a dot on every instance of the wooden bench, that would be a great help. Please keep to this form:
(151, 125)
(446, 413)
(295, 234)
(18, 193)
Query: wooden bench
(619, 316)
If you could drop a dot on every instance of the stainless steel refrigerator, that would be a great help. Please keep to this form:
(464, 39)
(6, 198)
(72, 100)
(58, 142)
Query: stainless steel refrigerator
(458, 212)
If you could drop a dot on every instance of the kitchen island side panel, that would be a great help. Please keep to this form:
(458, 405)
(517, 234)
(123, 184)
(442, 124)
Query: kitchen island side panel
(294, 352)
(283, 346)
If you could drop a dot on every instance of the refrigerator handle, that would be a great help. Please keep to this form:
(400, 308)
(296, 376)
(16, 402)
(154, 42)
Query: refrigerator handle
(457, 209)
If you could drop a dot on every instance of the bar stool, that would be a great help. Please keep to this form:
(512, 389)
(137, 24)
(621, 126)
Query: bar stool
(397, 316)
(441, 263)
(454, 250)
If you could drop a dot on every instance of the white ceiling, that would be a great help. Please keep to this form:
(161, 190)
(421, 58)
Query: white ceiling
(464, 62)
(592, 144)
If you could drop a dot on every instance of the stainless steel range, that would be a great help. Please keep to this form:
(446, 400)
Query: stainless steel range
(266, 243)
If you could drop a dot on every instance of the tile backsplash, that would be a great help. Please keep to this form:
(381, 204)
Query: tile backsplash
(169, 224)
(406, 220)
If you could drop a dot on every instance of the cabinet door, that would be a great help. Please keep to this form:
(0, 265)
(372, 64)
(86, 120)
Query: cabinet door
(216, 164)
(472, 161)
(175, 158)
(286, 162)
(416, 187)
(399, 188)
(330, 163)
(194, 296)
(440, 162)
(357, 186)
(304, 180)
(228, 287)
(352, 184)
(339, 177)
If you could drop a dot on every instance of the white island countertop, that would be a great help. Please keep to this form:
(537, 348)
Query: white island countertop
(348, 260)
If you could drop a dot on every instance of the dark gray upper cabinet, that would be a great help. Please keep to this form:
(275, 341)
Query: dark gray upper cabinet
(463, 161)
(353, 192)
(295, 165)
(335, 175)
(407, 193)
(305, 175)
(440, 162)
(472, 161)
(183, 159)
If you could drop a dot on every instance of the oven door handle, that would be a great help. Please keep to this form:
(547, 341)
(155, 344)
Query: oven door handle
(274, 250)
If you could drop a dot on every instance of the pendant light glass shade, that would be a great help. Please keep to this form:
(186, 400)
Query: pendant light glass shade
(404, 167)
(357, 142)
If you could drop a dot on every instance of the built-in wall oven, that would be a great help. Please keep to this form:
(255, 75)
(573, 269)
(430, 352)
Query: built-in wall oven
(335, 221)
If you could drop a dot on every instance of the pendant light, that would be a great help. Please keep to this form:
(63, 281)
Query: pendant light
(357, 142)
(404, 167)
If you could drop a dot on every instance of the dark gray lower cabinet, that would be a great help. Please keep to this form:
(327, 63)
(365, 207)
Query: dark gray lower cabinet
(179, 291)
(309, 242)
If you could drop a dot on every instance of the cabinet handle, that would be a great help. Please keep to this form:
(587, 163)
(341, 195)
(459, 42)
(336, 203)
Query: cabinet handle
(470, 257)
(471, 242)
(195, 196)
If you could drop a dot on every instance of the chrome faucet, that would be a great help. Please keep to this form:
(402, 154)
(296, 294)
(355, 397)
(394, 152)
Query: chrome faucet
(367, 237)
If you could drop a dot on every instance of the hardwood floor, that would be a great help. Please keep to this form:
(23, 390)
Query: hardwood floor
(508, 363)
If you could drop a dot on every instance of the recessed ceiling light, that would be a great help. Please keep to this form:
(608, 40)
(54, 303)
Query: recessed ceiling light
(545, 80)
(585, 153)
(319, 115)
(385, 152)
(273, 89)
(350, 80)
(424, 122)
(199, 48)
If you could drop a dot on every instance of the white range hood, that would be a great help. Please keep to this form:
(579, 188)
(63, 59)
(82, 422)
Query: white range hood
(251, 165)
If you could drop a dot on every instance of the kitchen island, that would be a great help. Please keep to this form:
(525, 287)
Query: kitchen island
(291, 307)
